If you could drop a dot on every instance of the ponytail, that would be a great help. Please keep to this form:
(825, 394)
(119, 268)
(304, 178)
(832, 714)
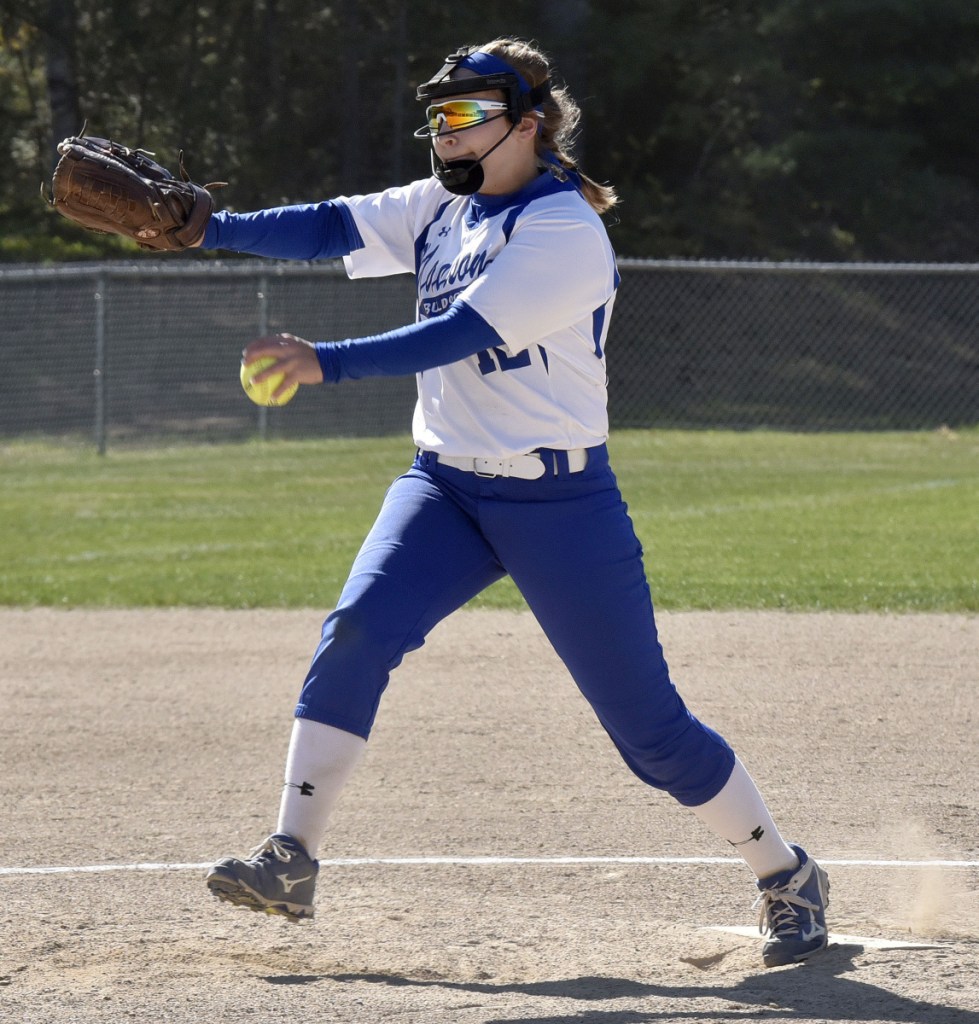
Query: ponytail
(555, 142)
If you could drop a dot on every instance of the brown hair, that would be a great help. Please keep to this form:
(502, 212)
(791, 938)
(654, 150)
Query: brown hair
(561, 115)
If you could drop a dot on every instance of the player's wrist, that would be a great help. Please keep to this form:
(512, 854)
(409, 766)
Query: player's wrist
(326, 355)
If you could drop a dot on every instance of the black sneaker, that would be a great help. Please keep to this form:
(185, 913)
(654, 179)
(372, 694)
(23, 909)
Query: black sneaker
(278, 877)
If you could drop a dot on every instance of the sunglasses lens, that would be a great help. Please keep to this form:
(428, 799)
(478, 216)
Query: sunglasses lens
(456, 114)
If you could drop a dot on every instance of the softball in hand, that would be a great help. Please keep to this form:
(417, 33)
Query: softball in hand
(261, 393)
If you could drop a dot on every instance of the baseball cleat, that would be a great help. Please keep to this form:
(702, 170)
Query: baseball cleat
(278, 877)
(793, 912)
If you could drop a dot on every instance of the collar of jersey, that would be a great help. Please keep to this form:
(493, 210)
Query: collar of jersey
(484, 206)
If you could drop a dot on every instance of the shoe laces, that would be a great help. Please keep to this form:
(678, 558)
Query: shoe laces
(778, 914)
(271, 847)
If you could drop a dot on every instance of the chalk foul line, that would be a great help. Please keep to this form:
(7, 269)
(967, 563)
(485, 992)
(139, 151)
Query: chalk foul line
(346, 862)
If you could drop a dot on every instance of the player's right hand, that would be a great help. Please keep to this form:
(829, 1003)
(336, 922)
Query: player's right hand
(295, 358)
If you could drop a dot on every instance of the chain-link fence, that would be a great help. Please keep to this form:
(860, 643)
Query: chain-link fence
(148, 350)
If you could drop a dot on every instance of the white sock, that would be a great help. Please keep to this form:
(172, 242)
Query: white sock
(321, 759)
(739, 815)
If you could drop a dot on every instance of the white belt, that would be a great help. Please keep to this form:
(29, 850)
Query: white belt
(523, 467)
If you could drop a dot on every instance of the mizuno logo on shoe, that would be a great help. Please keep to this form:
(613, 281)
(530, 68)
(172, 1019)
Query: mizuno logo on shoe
(288, 884)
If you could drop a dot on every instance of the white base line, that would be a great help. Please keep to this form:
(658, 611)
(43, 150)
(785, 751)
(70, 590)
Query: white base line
(836, 938)
(347, 862)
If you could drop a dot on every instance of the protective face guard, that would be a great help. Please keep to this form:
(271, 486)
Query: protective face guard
(518, 104)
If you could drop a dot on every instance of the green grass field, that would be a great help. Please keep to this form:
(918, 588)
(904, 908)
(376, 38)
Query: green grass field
(728, 520)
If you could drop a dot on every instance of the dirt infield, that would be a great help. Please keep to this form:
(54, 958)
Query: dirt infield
(138, 746)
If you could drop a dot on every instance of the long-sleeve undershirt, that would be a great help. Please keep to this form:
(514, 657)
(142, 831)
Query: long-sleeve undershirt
(326, 231)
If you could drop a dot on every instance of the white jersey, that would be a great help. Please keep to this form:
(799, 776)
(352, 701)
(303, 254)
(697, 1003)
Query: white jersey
(537, 266)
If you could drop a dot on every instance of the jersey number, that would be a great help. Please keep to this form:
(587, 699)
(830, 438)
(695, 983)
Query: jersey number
(491, 359)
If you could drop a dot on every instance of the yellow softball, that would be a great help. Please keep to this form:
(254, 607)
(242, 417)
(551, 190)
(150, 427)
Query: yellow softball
(261, 393)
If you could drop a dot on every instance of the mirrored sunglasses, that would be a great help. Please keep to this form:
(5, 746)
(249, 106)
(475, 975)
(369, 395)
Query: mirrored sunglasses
(456, 114)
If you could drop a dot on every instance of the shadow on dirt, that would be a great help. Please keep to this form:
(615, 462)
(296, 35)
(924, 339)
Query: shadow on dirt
(820, 989)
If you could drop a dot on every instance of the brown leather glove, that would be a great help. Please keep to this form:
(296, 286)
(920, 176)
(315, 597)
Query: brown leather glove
(109, 188)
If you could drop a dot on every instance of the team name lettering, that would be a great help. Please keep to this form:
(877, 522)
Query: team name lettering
(437, 303)
(436, 277)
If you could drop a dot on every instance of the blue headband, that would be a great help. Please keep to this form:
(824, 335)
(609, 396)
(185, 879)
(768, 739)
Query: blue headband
(489, 64)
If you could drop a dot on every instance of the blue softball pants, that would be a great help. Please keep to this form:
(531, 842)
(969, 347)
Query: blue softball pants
(566, 539)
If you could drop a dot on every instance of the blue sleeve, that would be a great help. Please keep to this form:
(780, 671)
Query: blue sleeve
(456, 334)
(315, 231)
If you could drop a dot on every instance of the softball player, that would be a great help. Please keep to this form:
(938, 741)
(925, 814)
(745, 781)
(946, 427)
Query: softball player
(516, 281)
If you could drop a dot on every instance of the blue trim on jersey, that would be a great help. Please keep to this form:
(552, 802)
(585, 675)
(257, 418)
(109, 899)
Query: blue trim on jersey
(598, 318)
(422, 240)
(597, 323)
(458, 333)
(511, 220)
(482, 206)
(311, 231)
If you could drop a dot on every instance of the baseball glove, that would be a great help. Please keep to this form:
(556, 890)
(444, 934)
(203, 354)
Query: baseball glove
(109, 188)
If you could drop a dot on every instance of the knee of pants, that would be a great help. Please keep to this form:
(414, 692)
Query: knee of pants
(359, 637)
(349, 672)
(691, 761)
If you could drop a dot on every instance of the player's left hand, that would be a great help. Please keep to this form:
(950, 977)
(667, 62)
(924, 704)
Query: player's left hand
(110, 188)
(295, 358)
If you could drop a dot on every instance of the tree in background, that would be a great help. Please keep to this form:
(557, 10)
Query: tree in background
(830, 129)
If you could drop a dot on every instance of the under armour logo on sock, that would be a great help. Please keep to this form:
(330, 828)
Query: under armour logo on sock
(305, 789)
(755, 837)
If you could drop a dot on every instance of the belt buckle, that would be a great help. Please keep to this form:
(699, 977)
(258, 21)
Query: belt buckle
(485, 475)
